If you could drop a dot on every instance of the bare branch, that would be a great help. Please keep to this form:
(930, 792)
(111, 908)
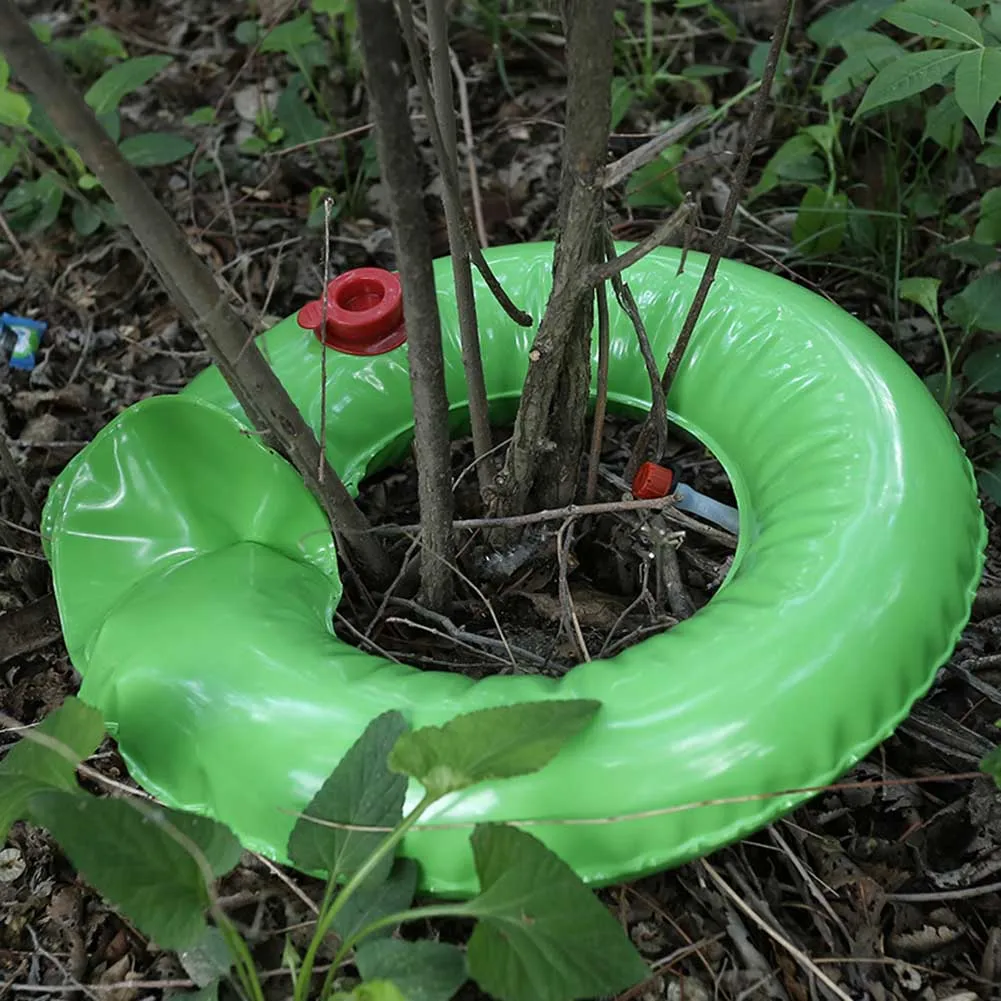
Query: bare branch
(382, 54)
(449, 170)
(467, 129)
(617, 172)
(602, 398)
(462, 275)
(190, 283)
(616, 265)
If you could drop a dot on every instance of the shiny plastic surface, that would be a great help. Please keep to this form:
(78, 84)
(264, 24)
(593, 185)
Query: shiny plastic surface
(196, 583)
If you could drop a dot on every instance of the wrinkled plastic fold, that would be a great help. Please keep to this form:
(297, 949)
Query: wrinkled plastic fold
(196, 581)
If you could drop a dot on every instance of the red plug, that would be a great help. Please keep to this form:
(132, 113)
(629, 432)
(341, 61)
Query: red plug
(652, 481)
(364, 313)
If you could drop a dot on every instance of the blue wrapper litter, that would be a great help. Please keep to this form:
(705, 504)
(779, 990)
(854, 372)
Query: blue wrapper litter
(21, 337)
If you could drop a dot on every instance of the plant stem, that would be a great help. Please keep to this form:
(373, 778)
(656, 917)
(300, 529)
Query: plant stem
(327, 915)
(382, 55)
(602, 398)
(722, 235)
(188, 280)
(462, 273)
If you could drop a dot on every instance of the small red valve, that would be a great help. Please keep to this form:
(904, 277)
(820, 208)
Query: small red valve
(652, 481)
(364, 313)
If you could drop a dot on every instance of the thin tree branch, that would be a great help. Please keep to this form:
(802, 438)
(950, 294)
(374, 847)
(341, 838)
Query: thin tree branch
(722, 235)
(467, 130)
(616, 265)
(382, 55)
(601, 402)
(252, 380)
(462, 275)
(449, 171)
(617, 172)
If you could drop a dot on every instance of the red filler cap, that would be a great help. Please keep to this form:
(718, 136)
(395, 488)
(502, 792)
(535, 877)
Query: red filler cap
(652, 481)
(364, 313)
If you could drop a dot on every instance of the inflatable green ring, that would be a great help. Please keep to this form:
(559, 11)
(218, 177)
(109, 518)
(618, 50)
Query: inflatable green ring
(196, 582)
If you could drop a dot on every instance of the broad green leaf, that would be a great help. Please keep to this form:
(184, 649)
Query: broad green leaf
(8, 157)
(983, 369)
(31, 767)
(655, 184)
(936, 19)
(4, 72)
(865, 54)
(208, 960)
(86, 218)
(298, 119)
(117, 83)
(361, 790)
(291, 35)
(991, 765)
(155, 149)
(423, 971)
(121, 848)
(50, 193)
(989, 481)
(14, 109)
(371, 902)
(923, 291)
(829, 30)
(907, 76)
(944, 123)
(215, 841)
(978, 85)
(991, 155)
(988, 229)
(541, 933)
(796, 160)
(623, 97)
(204, 115)
(971, 252)
(978, 306)
(820, 222)
(247, 32)
(490, 744)
(373, 990)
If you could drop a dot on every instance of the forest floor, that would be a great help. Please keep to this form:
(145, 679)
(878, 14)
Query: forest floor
(892, 891)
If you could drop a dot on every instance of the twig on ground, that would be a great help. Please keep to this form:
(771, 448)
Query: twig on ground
(188, 280)
(551, 514)
(963, 893)
(382, 54)
(626, 165)
(754, 127)
(801, 957)
(449, 172)
(13, 475)
(456, 636)
(601, 402)
(462, 274)
(564, 542)
(679, 601)
(9, 236)
(467, 130)
(616, 265)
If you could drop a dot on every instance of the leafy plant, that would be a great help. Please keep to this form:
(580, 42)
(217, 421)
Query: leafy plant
(539, 932)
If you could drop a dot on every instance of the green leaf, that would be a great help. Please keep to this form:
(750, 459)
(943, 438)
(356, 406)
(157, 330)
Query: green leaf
(155, 149)
(983, 369)
(978, 306)
(989, 481)
(8, 157)
(907, 76)
(971, 252)
(820, 222)
(655, 184)
(623, 97)
(113, 86)
(298, 119)
(865, 54)
(31, 767)
(829, 30)
(371, 902)
(991, 765)
(936, 19)
(423, 971)
(796, 160)
(86, 218)
(991, 156)
(978, 85)
(208, 960)
(988, 229)
(944, 123)
(4, 72)
(204, 115)
(541, 933)
(247, 32)
(490, 744)
(215, 841)
(123, 850)
(14, 109)
(361, 790)
(923, 291)
(291, 35)
(373, 990)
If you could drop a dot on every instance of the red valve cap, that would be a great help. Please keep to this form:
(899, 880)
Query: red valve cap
(364, 313)
(652, 481)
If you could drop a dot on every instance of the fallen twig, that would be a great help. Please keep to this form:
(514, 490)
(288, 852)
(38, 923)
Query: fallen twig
(626, 165)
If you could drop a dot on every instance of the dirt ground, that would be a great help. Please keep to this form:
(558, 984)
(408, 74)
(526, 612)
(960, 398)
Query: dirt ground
(892, 891)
